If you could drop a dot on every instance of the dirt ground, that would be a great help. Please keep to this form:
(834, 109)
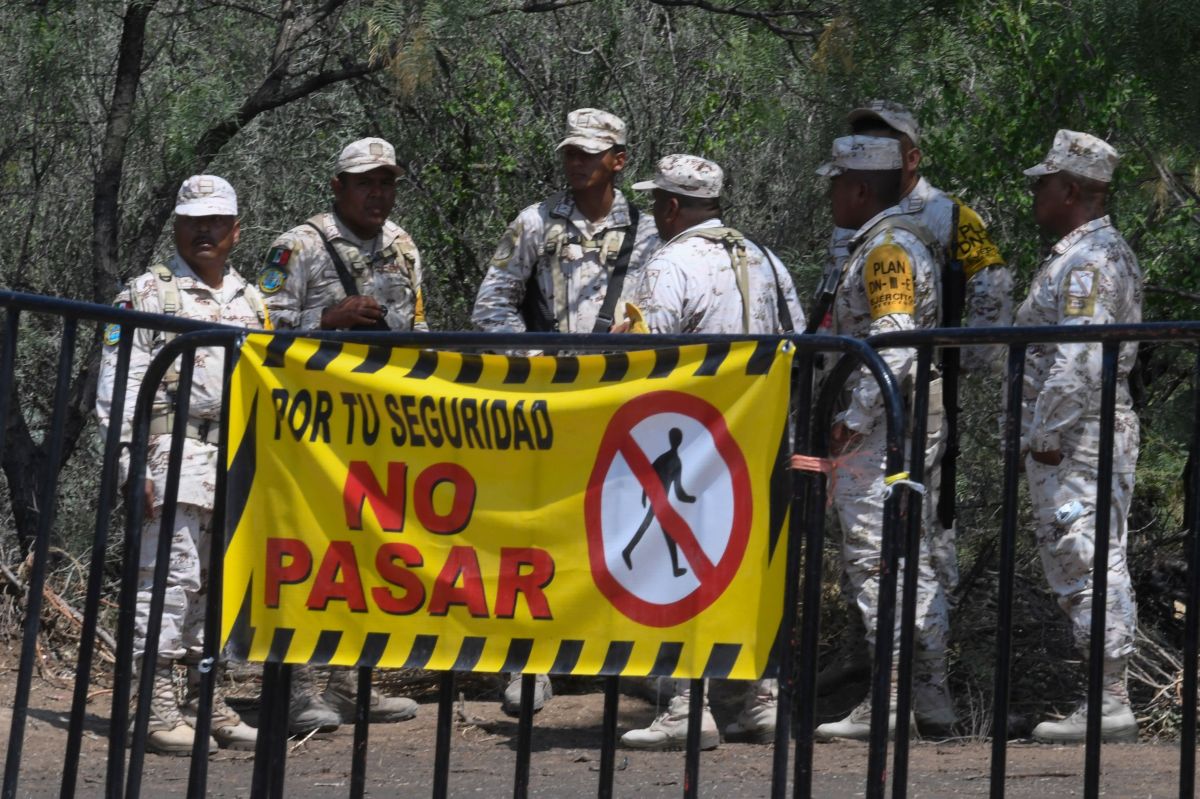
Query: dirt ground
(565, 756)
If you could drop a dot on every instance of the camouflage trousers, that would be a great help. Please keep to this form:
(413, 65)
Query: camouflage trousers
(857, 492)
(1068, 550)
(182, 630)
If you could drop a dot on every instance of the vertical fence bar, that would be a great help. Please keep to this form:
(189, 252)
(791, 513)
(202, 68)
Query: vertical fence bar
(162, 562)
(1104, 475)
(608, 737)
(1191, 618)
(277, 762)
(358, 754)
(524, 737)
(91, 606)
(691, 764)
(260, 780)
(209, 666)
(41, 549)
(1008, 548)
(789, 631)
(912, 556)
(445, 722)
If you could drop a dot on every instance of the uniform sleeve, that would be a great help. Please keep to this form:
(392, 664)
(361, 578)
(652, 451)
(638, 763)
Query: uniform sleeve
(140, 355)
(1087, 295)
(497, 304)
(989, 285)
(283, 283)
(419, 323)
(889, 283)
(661, 295)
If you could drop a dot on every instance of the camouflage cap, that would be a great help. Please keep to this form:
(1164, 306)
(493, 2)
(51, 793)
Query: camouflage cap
(893, 114)
(593, 130)
(206, 195)
(865, 153)
(365, 155)
(689, 175)
(1080, 154)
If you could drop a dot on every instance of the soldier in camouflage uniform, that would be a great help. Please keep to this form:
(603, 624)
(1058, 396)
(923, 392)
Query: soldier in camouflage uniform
(1090, 277)
(891, 282)
(988, 303)
(556, 262)
(196, 283)
(351, 268)
(709, 278)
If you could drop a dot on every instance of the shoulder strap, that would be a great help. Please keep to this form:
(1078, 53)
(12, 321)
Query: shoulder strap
(349, 285)
(616, 278)
(735, 244)
(785, 313)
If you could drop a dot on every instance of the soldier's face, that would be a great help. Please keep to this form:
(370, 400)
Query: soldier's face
(586, 170)
(1049, 201)
(204, 242)
(842, 201)
(364, 200)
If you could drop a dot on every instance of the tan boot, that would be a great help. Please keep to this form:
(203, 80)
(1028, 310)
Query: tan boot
(308, 711)
(511, 700)
(1117, 722)
(756, 722)
(857, 725)
(341, 695)
(168, 732)
(228, 729)
(669, 730)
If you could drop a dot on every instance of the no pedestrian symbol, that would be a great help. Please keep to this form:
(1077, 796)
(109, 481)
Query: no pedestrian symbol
(668, 508)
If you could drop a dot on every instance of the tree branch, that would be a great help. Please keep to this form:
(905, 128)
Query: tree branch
(764, 18)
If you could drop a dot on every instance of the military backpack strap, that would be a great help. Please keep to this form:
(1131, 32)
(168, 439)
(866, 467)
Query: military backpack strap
(167, 289)
(785, 313)
(349, 284)
(735, 244)
(616, 278)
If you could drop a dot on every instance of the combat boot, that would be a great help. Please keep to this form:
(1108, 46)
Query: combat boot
(669, 730)
(542, 692)
(309, 712)
(341, 695)
(850, 660)
(168, 732)
(857, 725)
(756, 722)
(1117, 722)
(228, 729)
(932, 704)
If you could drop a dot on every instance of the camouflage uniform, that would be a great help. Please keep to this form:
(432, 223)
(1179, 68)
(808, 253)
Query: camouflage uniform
(577, 290)
(1090, 277)
(235, 303)
(690, 286)
(858, 487)
(300, 280)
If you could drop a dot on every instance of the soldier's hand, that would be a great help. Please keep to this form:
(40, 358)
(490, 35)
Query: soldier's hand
(351, 312)
(1050, 457)
(148, 493)
(620, 327)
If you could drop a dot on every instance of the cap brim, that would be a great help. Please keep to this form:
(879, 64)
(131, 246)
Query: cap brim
(358, 169)
(1041, 169)
(206, 208)
(829, 170)
(592, 146)
(645, 185)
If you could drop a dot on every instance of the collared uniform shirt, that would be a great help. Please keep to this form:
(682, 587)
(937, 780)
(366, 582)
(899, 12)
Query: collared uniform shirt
(578, 292)
(299, 280)
(892, 281)
(235, 303)
(1091, 277)
(690, 286)
(989, 285)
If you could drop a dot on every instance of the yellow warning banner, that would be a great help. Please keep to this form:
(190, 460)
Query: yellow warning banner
(596, 514)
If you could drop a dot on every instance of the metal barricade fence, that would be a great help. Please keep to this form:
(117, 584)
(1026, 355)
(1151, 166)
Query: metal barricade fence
(798, 658)
(124, 778)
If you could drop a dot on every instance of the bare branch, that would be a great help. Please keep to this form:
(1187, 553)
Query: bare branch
(765, 18)
(529, 7)
(1187, 295)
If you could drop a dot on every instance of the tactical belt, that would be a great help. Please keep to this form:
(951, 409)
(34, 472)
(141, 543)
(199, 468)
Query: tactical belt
(206, 430)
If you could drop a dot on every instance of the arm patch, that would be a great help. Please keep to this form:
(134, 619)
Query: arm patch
(1080, 299)
(888, 280)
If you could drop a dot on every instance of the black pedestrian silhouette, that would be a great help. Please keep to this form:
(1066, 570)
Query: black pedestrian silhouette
(669, 469)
